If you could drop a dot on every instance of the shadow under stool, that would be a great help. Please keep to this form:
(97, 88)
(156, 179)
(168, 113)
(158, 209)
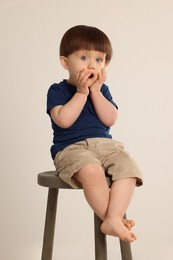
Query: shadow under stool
(50, 180)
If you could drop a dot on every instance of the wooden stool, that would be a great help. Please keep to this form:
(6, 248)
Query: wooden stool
(50, 180)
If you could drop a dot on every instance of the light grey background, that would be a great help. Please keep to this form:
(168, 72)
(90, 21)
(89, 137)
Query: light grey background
(140, 79)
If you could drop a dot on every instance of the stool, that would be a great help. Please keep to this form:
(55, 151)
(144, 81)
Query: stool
(50, 180)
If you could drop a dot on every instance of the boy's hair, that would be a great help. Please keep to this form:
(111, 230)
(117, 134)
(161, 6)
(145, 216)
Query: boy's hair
(82, 37)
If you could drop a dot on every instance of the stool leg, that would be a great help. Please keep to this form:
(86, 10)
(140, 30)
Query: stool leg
(125, 248)
(49, 224)
(100, 240)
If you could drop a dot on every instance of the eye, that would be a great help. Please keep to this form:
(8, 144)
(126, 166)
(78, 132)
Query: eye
(99, 60)
(84, 58)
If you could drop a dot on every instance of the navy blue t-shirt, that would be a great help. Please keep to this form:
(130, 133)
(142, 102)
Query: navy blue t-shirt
(87, 125)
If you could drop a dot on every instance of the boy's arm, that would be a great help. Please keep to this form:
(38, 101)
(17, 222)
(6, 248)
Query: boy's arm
(64, 116)
(105, 110)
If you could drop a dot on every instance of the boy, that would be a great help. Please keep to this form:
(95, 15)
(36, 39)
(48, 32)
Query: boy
(82, 111)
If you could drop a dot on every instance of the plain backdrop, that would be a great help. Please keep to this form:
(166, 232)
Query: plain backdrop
(141, 80)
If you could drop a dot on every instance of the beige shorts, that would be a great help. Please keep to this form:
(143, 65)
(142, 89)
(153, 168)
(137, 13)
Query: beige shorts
(108, 153)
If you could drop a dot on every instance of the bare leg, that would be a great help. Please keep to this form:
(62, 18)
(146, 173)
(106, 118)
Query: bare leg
(120, 196)
(111, 205)
(96, 190)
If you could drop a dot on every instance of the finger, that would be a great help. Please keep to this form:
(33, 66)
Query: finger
(84, 76)
(80, 74)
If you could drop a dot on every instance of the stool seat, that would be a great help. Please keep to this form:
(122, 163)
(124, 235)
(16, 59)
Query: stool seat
(52, 181)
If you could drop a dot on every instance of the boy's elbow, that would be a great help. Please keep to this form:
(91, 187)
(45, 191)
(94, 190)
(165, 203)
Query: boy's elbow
(58, 119)
(111, 120)
(63, 124)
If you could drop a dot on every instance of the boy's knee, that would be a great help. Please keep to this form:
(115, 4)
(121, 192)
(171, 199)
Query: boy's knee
(91, 172)
(93, 168)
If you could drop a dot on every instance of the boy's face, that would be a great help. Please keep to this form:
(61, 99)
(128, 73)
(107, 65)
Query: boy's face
(91, 62)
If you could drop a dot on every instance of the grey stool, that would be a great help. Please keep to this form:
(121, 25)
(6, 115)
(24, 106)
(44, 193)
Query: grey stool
(50, 180)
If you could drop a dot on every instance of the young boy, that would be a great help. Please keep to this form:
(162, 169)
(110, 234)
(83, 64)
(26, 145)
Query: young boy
(82, 111)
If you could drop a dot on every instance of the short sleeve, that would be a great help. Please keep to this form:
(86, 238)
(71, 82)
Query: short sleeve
(56, 96)
(106, 93)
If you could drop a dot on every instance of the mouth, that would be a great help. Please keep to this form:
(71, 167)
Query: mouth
(91, 76)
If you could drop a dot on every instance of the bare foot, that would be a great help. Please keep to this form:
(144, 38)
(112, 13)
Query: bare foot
(128, 223)
(117, 228)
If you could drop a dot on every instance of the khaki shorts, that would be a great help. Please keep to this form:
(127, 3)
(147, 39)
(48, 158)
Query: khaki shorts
(108, 153)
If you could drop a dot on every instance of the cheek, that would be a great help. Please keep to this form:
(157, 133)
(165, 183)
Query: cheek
(100, 69)
(103, 66)
(73, 69)
(77, 66)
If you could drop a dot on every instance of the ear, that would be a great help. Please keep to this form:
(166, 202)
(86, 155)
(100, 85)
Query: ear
(64, 63)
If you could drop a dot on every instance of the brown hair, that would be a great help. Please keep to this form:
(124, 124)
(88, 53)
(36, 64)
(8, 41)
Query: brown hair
(82, 37)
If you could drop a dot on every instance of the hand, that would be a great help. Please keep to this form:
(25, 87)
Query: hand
(83, 81)
(99, 79)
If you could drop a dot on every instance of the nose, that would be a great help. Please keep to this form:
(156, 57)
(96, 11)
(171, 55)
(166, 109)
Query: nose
(91, 64)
